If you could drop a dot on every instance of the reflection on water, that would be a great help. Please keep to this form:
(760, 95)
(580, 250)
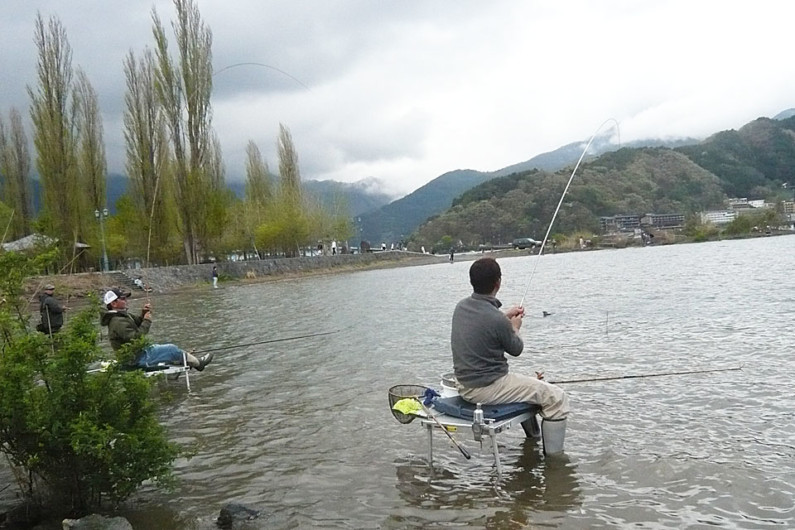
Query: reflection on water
(521, 496)
(301, 429)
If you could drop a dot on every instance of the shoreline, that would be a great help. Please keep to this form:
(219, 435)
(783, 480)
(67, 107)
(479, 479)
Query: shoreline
(181, 278)
(78, 287)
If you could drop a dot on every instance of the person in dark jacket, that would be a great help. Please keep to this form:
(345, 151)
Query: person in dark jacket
(124, 328)
(51, 311)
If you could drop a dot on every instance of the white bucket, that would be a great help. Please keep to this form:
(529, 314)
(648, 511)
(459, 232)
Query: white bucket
(449, 385)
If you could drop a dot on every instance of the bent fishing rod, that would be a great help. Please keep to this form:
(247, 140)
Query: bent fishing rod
(641, 376)
(560, 202)
(269, 341)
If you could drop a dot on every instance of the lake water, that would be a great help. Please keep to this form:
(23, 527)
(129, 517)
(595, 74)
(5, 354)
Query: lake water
(301, 429)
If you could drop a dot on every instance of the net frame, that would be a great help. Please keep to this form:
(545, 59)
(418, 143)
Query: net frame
(398, 392)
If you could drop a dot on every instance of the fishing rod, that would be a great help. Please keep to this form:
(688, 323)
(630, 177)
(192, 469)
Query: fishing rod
(44, 280)
(442, 427)
(640, 376)
(5, 233)
(268, 341)
(560, 202)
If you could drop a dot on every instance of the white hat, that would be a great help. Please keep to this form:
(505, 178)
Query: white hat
(114, 294)
(110, 296)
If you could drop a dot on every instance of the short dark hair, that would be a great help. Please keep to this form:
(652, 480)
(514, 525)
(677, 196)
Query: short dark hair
(484, 275)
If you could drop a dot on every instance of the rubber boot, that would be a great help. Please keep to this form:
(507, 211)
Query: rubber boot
(553, 434)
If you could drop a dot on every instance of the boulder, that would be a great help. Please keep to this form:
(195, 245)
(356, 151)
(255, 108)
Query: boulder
(234, 513)
(97, 522)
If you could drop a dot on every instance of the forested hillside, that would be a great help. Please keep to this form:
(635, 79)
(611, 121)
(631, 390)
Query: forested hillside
(395, 221)
(752, 162)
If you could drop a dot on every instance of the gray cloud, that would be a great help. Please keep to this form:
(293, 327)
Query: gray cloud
(404, 91)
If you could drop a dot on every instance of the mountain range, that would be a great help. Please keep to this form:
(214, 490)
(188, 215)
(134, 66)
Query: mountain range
(754, 162)
(394, 222)
(378, 219)
(358, 197)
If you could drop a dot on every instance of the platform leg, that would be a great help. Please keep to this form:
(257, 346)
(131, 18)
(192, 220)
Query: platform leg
(430, 445)
(531, 427)
(185, 364)
(496, 450)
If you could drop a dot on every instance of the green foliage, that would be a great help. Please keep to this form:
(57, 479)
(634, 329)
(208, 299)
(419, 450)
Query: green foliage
(739, 226)
(443, 245)
(6, 218)
(753, 222)
(699, 231)
(81, 437)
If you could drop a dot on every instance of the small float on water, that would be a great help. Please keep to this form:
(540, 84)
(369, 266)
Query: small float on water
(449, 412)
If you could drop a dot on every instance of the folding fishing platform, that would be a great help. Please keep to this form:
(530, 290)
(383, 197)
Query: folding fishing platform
(169, 371)
(455, 415)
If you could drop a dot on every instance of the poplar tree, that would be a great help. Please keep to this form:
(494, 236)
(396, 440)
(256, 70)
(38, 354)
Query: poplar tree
(258, 183)
(290, 186)
(258, 193)
(214, 202)
(15, 168)
(147, 154)
(54, 122)
(294, 222)
(184, 88)
(91, 162)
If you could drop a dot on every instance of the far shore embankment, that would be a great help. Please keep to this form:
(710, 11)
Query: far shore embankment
(178, 278)
(182, 277)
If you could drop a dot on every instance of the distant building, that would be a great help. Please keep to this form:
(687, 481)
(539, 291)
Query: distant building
(743, 205)
(719, 217)
(633, 222)
(663, 220)
(619, 223)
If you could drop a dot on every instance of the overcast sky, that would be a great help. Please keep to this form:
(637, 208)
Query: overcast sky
(407, 90)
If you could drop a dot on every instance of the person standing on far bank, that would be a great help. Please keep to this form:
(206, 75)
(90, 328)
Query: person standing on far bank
(51, 311)
(215, 277)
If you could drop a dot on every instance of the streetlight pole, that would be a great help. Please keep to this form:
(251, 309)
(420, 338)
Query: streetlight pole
(101, 216)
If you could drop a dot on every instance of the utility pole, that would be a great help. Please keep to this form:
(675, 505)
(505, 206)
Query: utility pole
(101, 216)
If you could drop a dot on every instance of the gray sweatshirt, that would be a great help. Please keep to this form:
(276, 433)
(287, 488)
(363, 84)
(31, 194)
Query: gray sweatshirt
(481, 335)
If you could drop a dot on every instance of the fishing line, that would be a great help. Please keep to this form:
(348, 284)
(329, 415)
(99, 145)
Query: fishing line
(560, 202)
(264, 66)
(641, 376)
(269, 341)
(44, 280)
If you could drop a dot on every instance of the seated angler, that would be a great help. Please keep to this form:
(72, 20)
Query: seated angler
(480, 338)
(124, 328)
